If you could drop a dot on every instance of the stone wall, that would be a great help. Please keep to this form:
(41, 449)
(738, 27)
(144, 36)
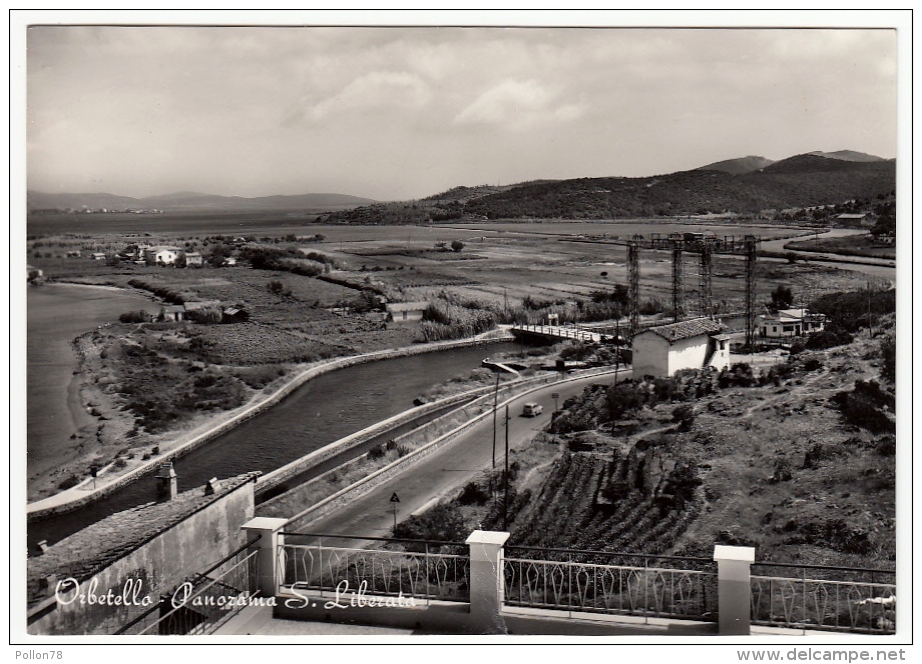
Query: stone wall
(152, 569)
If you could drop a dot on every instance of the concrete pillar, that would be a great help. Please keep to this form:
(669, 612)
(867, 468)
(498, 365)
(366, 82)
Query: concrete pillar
(486, 551)
(733, 588)
(268, 560)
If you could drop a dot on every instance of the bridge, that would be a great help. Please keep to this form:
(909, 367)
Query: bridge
(561, 332)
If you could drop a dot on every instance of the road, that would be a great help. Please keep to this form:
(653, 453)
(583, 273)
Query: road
(455, 464)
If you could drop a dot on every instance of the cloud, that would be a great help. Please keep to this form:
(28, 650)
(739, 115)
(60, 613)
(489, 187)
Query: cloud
(519, 105)
(371, 92)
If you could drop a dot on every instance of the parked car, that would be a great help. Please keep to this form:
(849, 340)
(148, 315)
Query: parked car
(532, 409)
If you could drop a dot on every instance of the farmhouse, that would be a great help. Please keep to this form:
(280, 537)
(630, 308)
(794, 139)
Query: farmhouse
(163, 255)
(406, 311)
(691, 344)
(852, 218)
(791, 323)
(173, 312)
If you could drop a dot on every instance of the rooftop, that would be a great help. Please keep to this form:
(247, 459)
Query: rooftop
(407, 306)
(94, 548)
(686, 329)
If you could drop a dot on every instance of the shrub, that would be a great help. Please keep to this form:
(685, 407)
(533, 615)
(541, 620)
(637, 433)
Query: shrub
(684, 416)
(888, 357)
(376, 452)
(473, 493)
(864, 406)
(443, 522)
(69, 482)
(457, 245)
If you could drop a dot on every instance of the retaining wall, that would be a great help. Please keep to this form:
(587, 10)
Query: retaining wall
(37, 510)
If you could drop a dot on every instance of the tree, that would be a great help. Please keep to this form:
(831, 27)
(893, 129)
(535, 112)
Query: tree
(457, 245)
(218, 253)
(782, 297)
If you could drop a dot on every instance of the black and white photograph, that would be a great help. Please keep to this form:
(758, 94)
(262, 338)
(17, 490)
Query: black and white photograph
(462, 327)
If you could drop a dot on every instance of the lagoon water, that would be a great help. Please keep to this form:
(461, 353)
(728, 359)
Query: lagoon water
(321, 411)
(56, 315)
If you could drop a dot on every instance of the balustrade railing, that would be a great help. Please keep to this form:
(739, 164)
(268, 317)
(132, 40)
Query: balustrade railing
(356, 568)
(203, 601)
(799, 597)
(640, 585)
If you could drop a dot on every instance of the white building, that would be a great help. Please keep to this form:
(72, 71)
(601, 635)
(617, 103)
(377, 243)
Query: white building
(164, 255)
(406, 311)
(791, 323)
(691, 344)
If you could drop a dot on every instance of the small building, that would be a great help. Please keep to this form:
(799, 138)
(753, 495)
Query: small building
(173, 312)
(856, 219)
(791, 323)
(194, 258)
(691, 344)
(33, 273)
(235, 315)
(98, 256)
(163, 255)
(230, 261)
(399, 312)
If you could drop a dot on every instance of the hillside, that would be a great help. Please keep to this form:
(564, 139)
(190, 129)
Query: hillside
(738, 166)
(848, 155)
(798, 182)
(188, 201)
(778, 464)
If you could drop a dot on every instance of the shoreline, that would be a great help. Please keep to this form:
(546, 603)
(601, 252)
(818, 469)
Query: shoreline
(202, 432)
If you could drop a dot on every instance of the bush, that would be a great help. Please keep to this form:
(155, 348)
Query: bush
(473, 493)
(864, 407)
(443, 522)
(849, 310)
(684, 416)
(888, 357)
(376, 452)
(69, 483)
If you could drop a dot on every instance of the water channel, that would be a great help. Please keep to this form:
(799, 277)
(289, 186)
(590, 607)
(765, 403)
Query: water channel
(321, 411)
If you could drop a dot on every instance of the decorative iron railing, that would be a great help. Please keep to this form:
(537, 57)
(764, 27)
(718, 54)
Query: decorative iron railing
(578, 581)
(864, 603)
(419, 569)
(205, 600)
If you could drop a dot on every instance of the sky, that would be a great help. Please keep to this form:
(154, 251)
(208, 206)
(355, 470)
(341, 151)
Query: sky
(397, 113)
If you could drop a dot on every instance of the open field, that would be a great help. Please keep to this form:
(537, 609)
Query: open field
(295, 319)
(862, 245)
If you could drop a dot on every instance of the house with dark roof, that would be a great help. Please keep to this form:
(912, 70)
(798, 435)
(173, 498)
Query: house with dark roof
(101, 578)
(662, 350)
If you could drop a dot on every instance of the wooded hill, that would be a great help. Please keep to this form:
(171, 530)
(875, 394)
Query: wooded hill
(802, 181)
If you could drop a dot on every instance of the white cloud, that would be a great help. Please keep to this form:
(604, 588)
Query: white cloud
(516, 104)
(373, 92)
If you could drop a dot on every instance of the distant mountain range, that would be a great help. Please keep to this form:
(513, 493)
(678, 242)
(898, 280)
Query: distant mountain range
(750, 164)
(190, 201)
(749, 185)
(746, 185)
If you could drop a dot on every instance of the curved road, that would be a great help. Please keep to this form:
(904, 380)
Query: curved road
(447, 469)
